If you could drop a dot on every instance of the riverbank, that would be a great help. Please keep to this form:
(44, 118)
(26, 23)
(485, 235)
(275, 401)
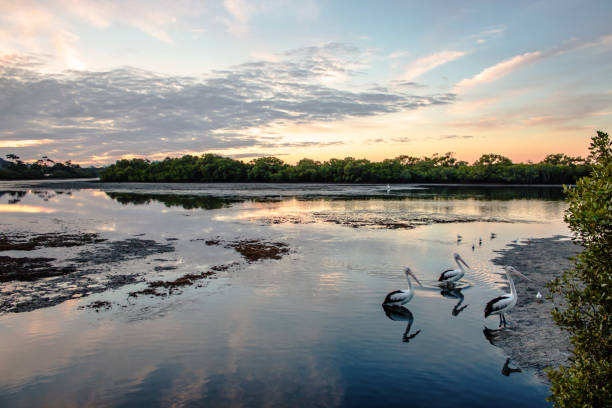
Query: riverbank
(532, 340)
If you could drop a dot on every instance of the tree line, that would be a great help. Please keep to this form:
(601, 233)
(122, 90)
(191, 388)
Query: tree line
(16, 169)
(489, 168)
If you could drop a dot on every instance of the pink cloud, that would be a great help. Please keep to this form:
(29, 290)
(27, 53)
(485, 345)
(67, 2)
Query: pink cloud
(422, 65)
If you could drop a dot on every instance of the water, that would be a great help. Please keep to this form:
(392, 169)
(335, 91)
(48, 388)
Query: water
(305, 330)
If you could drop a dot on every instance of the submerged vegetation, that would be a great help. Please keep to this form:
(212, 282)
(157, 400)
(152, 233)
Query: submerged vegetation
(16, 169)
(489, 168)
(585, 291)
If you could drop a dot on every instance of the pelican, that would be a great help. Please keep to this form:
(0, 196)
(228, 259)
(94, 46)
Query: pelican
(503, 304)
(400, 297)
(451, 276)
(404, 315)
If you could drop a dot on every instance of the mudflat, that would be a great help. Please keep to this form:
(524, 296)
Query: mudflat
(531, 339)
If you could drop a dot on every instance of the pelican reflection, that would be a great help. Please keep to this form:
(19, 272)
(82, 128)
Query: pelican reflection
(495, 335)
(455, 293)
(506, 370)
(400, 313)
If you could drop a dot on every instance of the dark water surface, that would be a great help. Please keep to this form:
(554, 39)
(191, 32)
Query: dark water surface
(304, 330)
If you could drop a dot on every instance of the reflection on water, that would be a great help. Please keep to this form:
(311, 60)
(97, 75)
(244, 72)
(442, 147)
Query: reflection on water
(303, 330)
(507, 370)
(188, 202)
(22, 208)
(500, 193)
(455, 293)
(402, 314)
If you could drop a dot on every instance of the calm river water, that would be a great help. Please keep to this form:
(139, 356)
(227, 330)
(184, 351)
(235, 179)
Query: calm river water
(304, 330)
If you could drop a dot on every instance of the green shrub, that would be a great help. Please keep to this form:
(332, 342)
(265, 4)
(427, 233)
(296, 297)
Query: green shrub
(585, 291)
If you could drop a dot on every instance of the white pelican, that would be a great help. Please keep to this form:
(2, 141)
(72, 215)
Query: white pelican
(403, 315)
(400, 297)
(450, 276)
(502, 304)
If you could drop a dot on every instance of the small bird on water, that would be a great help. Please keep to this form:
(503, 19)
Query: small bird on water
(539, 296)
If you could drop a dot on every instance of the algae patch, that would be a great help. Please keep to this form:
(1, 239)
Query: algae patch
(254, 250)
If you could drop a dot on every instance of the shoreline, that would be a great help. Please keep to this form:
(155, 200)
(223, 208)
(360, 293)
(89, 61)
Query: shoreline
(97, 181)
(532, 340)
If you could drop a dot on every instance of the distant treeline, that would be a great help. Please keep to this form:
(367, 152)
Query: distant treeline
(16, 169)
(490, 168)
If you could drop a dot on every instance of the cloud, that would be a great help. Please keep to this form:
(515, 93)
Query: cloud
(403, 139)
(407, 84)
(489, 33)
(240, 12)
(499, 70)
(398, 54)
(445, 137)
(510, 65)
(24, 143)
(422, 65)
(441, 137)
(108, 114)
(32, 26)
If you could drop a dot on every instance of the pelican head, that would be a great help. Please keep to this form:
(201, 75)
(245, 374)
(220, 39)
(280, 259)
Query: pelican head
(408, 271)
(511, 269)
(459, 258)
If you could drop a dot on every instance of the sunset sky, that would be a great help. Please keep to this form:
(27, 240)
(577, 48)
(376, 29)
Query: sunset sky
(97, 80)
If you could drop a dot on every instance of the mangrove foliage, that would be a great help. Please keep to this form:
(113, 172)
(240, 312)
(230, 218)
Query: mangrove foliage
(15, 169)
(584, 293)
(490, 168)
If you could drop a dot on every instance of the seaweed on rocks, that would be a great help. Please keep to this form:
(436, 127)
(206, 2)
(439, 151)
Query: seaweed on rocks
(97, 305)
(172, 287)
(254, 250)
(26, 242)
(30, 269)
(34, 283)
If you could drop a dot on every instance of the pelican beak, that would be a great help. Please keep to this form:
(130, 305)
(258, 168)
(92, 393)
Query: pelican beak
(521, 275)
(465, 263)
(415, 278)
(517, 273)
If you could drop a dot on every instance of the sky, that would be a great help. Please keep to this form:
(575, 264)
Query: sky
(94, 81)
